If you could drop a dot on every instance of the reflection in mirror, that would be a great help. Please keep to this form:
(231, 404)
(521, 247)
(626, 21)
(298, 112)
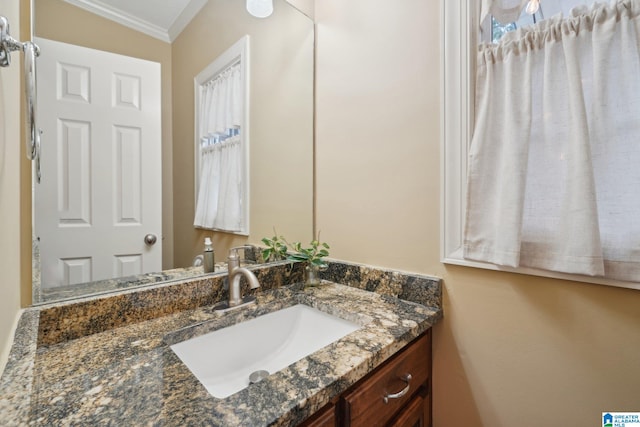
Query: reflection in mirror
(280, 151)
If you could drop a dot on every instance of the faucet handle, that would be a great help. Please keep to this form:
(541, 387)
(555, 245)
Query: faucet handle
(233, 252)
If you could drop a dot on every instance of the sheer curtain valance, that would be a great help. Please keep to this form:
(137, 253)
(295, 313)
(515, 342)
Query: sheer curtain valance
(554, 164)
(221, 108)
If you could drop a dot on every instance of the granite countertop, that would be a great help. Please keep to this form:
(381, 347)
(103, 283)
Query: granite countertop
(128, 374)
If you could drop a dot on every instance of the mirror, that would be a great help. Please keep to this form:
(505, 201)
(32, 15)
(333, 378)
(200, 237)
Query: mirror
(280, 125)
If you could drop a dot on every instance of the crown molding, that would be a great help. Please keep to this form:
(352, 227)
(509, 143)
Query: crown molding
(185, 18)
(123, 18)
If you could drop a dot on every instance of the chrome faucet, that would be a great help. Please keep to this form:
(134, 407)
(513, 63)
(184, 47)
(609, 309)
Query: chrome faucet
(235, 274)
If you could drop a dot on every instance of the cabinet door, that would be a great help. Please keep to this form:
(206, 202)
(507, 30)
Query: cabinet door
(323, 418)
(415, 414)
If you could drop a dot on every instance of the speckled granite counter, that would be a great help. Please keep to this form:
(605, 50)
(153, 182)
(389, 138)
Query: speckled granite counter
(108, 372)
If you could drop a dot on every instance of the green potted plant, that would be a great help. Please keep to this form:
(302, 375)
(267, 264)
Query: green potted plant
(313, 256)
(276, 248)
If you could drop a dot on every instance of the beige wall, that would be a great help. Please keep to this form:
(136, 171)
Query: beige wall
(11, 148)
(512, 350)
(60, 21)
(281, 126)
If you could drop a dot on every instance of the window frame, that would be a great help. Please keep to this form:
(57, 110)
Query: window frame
(458, 44)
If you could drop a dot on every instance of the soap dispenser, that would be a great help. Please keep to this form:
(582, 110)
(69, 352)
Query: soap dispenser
(209, 256)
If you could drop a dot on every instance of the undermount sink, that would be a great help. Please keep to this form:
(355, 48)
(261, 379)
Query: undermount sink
(224, 360)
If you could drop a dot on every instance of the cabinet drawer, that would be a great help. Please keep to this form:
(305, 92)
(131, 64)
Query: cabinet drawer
(365, 404)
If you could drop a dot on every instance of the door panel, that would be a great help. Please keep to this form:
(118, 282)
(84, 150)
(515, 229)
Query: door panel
(128, 172)
(100, 192)
(74, 173)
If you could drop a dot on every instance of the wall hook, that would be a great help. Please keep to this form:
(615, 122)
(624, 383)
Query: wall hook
(31, 51)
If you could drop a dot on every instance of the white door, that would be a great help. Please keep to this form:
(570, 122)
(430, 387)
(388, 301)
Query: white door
(100, 192)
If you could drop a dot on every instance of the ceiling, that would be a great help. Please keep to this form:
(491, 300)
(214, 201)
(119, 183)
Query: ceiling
(162, 19)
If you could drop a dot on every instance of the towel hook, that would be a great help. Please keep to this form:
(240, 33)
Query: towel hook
(31, 51)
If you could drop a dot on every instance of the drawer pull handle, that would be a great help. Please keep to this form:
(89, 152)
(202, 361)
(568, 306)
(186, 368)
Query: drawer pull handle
(401, 393)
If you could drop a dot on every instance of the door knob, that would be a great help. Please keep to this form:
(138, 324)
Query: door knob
(150, 239)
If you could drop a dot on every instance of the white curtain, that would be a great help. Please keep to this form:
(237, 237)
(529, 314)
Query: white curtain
(220, 193)
(221, 103)
(554, 164)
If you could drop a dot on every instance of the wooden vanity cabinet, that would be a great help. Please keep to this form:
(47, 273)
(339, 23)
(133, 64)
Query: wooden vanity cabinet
(408, 399)
(364, 404)
(325, 417)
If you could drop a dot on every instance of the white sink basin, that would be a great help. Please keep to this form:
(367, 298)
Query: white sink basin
(223, 360)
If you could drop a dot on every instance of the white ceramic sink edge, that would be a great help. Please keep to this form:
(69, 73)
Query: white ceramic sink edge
(224, 359)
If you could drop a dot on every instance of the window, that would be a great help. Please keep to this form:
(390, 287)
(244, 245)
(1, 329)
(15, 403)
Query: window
(492, 29)
(222, 142)
(458, 42)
